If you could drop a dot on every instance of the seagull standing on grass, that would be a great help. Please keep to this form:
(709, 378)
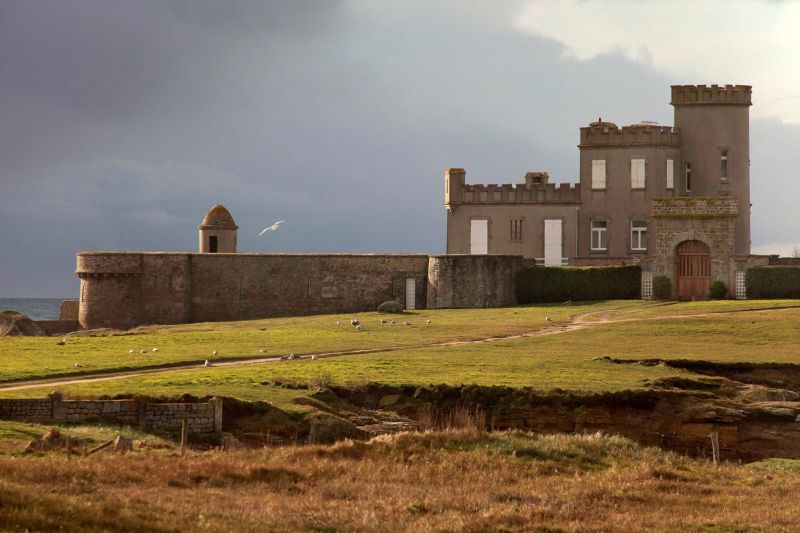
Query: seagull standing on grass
(271, 228)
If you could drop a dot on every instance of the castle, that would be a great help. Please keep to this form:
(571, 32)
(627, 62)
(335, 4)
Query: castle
(674, 199)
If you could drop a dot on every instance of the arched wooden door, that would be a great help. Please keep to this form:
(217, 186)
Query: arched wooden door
(694, 270)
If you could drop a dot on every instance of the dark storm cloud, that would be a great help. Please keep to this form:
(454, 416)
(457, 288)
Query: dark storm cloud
(122, 122)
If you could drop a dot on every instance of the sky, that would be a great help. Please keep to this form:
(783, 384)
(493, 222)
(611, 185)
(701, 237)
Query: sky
(122, 122)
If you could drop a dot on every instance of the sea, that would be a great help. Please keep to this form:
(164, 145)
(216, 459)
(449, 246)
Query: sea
(36, 308)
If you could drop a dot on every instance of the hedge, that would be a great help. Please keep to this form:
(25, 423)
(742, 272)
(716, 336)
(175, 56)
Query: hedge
(662, 288)
(559, 284)
(773, 282)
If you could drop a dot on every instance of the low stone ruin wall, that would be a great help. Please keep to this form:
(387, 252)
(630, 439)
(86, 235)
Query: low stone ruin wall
(58, 327)
(201, 418)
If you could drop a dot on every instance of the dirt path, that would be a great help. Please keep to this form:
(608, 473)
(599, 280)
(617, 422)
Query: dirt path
(578, 322)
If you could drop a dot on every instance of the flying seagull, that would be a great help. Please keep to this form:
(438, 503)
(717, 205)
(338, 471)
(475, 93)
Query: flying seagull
(271, 228)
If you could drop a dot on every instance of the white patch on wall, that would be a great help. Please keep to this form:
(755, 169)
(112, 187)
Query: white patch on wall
(598, 174)
(670, 174)
(741, 287)
(411, 293)
(552, 243)
(637, 174)
(647, 285)
(478, 237)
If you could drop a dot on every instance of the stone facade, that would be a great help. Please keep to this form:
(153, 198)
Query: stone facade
(201, 418)
(643, 189)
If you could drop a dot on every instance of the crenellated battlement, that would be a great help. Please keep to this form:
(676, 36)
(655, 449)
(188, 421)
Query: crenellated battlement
(536, 189)
(608, 135)
(715, 94)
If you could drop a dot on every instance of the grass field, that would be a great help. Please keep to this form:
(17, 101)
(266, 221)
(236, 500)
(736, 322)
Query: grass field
(565, 360)
(29, 357)
(444, 481)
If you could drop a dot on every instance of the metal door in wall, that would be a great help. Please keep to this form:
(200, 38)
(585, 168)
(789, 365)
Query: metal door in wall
(694, 270)
(478, 237)
(411, 293)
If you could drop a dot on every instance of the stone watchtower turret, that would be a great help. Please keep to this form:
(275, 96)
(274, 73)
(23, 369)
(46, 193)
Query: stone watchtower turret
(714, 125)
(218, 232)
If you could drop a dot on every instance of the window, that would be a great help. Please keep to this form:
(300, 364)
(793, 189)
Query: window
(670, 174)
(599, 235)
(598, 174)
(637, 173)
(688, 177)
(638, 235)
(515, 229)
(212, 244)
(723, 164)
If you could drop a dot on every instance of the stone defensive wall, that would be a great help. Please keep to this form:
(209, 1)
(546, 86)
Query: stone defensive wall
(201, 418)
(472, 280)
(609, 136)
(715, 94)
(123, 290)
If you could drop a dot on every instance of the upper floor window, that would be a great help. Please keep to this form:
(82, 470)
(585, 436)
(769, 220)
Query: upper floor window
(670, 174)
(598, 174)
(515, 229)
(637, 174)
(599, 235)
(638, 235)
(688, 177)
(723, 164)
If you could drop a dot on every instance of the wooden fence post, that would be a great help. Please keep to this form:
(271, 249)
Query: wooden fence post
(715, 446)
(184, 436)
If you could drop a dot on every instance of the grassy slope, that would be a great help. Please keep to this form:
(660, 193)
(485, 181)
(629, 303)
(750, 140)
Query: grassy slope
(414, 482)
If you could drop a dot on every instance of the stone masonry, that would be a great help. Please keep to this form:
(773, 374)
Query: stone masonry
(202, 418)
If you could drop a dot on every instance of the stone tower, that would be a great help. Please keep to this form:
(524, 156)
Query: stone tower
(217, 232)
(714, 125)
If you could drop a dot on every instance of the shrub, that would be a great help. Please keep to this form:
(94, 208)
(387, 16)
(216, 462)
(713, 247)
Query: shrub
(717, 291)
(662, 288)
(558, 284)
(773, 282)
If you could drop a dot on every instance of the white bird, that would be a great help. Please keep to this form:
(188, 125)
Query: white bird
(263, 350)
(206, 363)
(155, 349)
(358, 327)
(548, 319)
(313, 357)
(271, 228)
(337, 322)
(406, 323)
(131, 350)
(428, 322)
(62, 342)
(354, 322)
(77, 365)
(393, 322)
(214, 352)
(143, 350)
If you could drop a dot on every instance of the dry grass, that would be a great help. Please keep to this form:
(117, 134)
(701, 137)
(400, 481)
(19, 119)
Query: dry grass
(455, 481)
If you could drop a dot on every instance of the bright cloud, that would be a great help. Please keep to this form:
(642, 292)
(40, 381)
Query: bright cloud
(746, 42)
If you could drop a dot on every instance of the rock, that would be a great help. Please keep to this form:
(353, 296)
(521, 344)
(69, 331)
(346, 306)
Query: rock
(325, 428)
(122, 444)
(13, 324)
(391, 306)
(389, 399)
